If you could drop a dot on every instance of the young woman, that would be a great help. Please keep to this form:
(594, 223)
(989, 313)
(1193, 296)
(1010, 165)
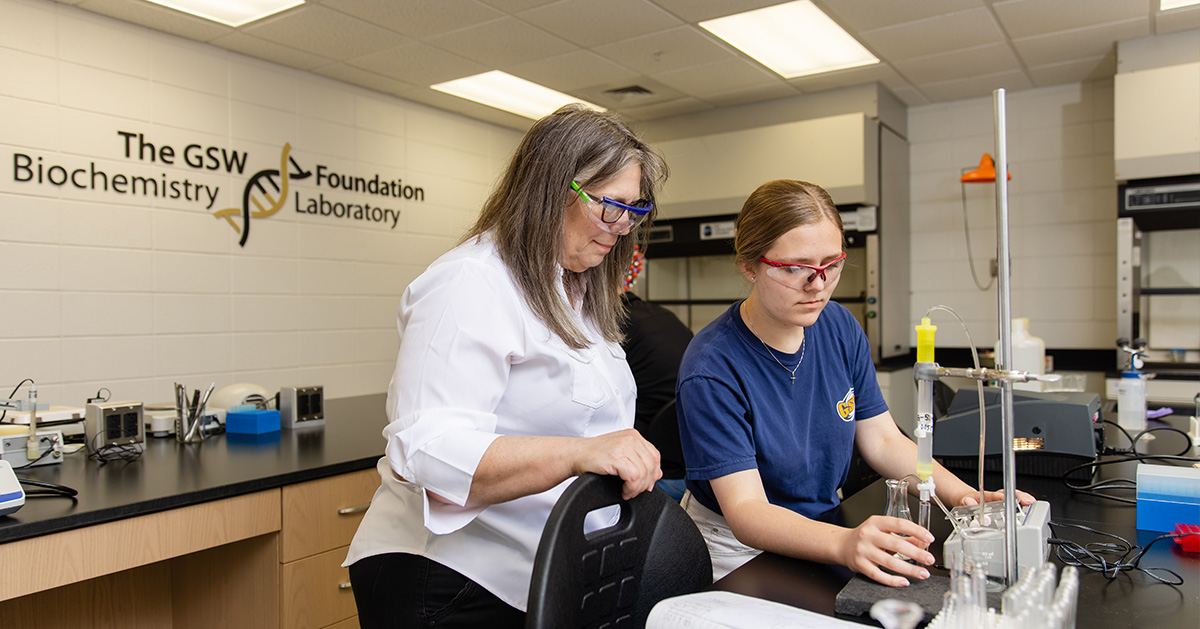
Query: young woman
(774, 394)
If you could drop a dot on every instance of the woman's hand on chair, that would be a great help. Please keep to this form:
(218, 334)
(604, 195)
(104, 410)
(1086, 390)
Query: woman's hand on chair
(623, 453)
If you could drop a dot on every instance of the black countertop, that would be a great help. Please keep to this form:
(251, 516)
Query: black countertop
(1130, 600)
(170, 475)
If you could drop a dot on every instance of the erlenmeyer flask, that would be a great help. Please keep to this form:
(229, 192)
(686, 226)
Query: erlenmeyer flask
(897, 505)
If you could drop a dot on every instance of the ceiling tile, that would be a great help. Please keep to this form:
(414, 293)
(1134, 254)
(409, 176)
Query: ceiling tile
(657, 93)
(270, 51)
(879, 72)
(713, 78)
(1177, 20)
(363, 78)
(418, 18)
(323, 32)
(693, 11)
(502, 44)
(1076, 71)
(1078, 43)
(471, 109)
(755, 94)
(931, 50)
(158, 18)
(911, 96)
(515, 6)
(419, 64)
(964, 29)
(864, 15)
(1023, 18)
(574, 70)
(975, 86)
(589, 23)
(662, 110)
(669, 50)
(959, 64)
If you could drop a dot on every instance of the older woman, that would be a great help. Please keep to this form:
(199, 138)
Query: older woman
(509, 381)
(774, 394)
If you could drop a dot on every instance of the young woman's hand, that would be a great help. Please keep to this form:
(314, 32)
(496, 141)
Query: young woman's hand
(1023, 498)
(870, 547)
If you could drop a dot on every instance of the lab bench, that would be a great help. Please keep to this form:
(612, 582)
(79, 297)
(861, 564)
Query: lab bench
(240, 530)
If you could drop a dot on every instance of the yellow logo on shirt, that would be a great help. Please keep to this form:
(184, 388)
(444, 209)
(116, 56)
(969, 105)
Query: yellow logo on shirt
(846, 406)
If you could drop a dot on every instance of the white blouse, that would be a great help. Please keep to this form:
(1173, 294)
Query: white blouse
(475, 363)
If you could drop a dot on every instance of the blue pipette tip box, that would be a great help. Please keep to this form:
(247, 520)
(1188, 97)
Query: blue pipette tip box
(1167, 495)
(254, 422)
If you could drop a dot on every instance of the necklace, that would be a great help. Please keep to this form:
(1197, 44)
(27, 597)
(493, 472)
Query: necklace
(792, 371)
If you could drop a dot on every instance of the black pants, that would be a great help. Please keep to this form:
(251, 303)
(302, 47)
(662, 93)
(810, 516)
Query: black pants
(402, 590)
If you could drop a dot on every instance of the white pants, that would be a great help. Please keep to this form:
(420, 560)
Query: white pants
(726, 552)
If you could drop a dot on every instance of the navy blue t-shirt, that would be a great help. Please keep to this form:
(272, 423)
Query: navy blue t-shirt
(739, 410)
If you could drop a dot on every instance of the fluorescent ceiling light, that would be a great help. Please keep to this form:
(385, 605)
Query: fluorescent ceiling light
(1167, 5)
(793, 39)
(231, 12)
(505, 91)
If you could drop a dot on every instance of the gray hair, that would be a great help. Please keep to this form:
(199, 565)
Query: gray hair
(525, 215)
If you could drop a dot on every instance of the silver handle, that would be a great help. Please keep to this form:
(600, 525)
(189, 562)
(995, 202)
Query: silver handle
(345, 585)
(353, 510)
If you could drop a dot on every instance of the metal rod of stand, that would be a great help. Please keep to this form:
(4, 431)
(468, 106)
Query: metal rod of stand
(1004, 359)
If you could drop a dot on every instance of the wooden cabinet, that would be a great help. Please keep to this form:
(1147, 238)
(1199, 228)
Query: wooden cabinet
(319, 520)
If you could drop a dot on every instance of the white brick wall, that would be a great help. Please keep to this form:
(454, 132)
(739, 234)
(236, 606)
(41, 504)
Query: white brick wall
(1062, 215)
(134, 293)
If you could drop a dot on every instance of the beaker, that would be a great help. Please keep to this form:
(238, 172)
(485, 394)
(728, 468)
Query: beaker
(984, 546)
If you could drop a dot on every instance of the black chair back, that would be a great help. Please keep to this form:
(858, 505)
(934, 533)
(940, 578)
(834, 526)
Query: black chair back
(614, 576)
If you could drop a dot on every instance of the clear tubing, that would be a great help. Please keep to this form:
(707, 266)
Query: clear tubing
(978, 387)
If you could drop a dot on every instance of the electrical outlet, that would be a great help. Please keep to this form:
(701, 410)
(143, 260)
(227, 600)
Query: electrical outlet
(302, 406)
(114, 423)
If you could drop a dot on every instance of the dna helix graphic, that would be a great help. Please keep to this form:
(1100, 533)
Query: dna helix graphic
(264, 194)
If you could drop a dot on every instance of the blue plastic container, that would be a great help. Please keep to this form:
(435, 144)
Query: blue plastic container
(1167, 495)
(254, 422)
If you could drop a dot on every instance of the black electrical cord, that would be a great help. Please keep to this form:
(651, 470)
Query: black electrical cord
(45, 454)
(1132, 450)
(1126, 455)
(124, 452)
(49, 490)
(1110, 558)
(14, 393)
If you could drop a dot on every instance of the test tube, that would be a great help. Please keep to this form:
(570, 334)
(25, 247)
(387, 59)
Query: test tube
(949, 613)
(979, 589)
(1043, 590)
(1066, 597)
